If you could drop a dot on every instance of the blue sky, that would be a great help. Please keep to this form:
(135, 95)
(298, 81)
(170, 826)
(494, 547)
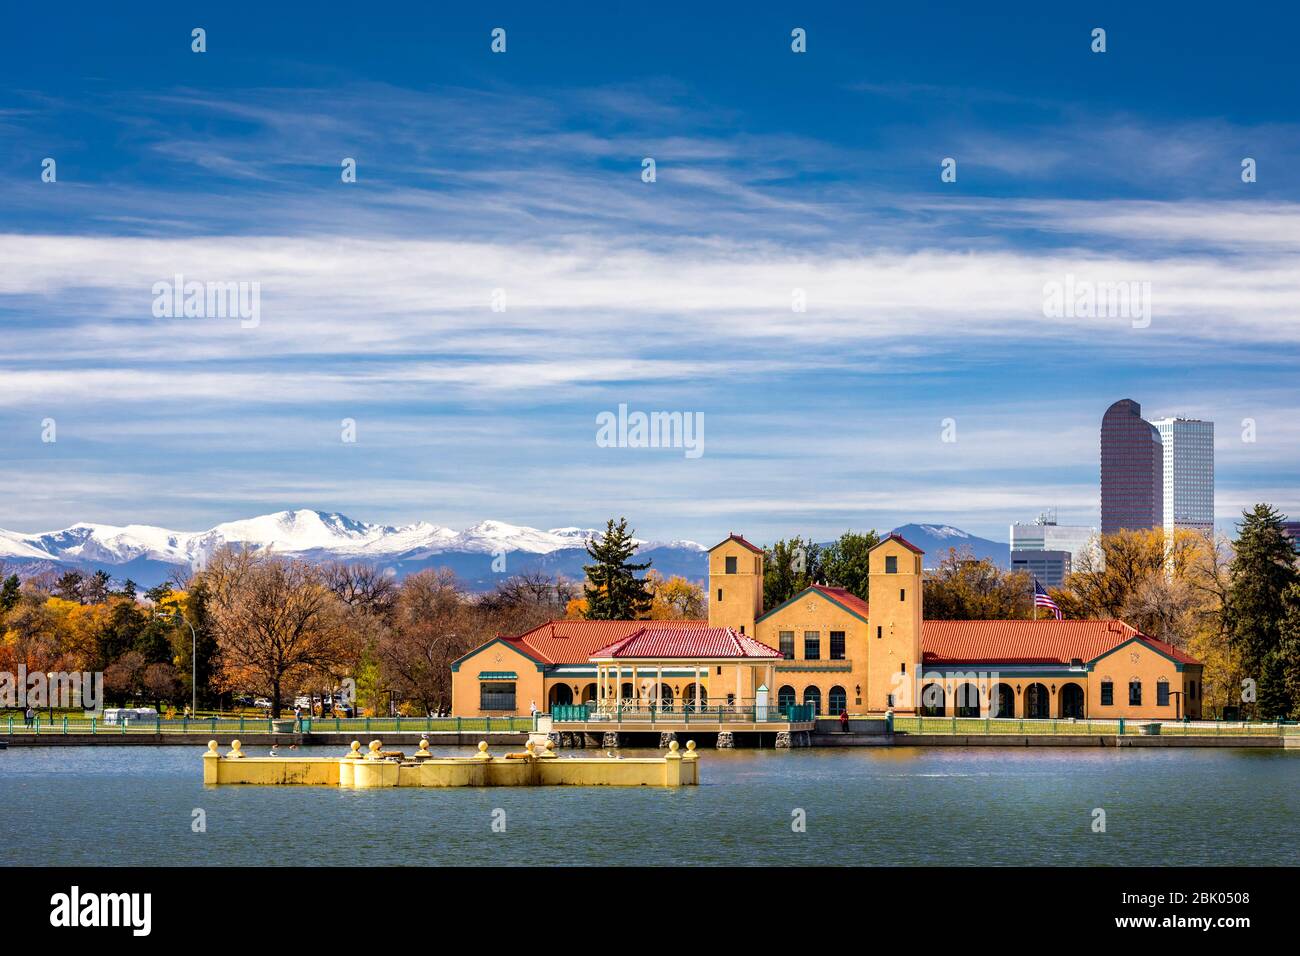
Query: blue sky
(521, 171)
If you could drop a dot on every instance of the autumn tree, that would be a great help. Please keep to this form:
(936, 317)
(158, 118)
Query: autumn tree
(432, 626)
(675, 599)
(964, 587)
(275, 620)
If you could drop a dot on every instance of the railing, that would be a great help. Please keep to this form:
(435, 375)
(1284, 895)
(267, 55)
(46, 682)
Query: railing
(1130, 726)
(742, 711)
(221, 726)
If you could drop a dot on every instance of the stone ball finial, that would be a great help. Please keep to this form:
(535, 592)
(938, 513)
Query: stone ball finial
(424, 746)
(482, 746)
(375, 746)
(212, 746)
(550, 745)
(530, 746)
(673, 746)
(356, 747)
(235, 750)
(690, 745)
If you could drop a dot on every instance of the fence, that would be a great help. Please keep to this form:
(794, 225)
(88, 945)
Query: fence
(741, 711)
(221, 726)
(974, 726)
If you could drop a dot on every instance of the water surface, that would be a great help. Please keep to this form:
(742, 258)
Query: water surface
(878, 806)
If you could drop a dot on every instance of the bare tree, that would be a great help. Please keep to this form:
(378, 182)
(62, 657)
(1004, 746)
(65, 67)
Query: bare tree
(275, 621)
(433, 625)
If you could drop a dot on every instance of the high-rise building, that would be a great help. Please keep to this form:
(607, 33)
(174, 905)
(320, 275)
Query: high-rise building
(1048, 568)
(1046, 535)
(1132, 470)
(1188, 445)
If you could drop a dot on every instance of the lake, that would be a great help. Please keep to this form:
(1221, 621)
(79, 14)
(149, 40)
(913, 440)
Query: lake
(106, 806)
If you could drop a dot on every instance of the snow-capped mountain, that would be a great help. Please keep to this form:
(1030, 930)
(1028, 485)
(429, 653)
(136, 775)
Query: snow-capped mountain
(148, 554)
(937, 539)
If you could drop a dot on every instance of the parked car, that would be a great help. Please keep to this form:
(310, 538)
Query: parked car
(263, 703)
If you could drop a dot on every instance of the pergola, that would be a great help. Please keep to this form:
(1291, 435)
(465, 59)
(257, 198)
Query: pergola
(645, 656)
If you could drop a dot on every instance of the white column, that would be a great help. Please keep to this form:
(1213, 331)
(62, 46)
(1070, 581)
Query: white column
(699, 688)
(659, 685)
(636, 688)
(739, 674)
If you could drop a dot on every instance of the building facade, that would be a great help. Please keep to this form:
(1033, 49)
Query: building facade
(1044, 534)
(1132, 470)
(1188, 465)
(827, 648)
(1048, 568)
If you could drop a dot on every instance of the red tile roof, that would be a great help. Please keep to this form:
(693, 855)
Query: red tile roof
(572, 642)
(843, 596)
(901, 540)
(1030, 642)
(657, 642)
(740, 539)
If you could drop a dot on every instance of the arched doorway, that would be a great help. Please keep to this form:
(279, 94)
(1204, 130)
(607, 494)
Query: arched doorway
(1002, 702)
(662, 695)
(837, 701)
(695, 697)
(625, 694)
(1071, 700)
(966, 700)
(589, 693)
(561, 695)
(813, 695)
(785, 699)
(1038, 703)
(932, 701)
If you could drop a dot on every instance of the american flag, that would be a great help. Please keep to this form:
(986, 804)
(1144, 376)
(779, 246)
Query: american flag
(1043, 599)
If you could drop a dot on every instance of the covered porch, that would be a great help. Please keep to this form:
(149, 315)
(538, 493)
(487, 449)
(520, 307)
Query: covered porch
(667, 680)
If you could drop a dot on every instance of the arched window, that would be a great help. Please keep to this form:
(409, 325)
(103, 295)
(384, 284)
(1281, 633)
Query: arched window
(1002, 702)
(1071, 700)
(932, 700)
(695, 697)
(813, 695)
(837, 701)
(561, 695)
(589, 693)
(966, 702)
(1038, 702)
(785, 698)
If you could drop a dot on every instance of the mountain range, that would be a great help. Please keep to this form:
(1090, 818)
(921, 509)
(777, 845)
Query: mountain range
(149, 555)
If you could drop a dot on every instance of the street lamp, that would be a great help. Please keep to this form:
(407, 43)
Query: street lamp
(194, 660)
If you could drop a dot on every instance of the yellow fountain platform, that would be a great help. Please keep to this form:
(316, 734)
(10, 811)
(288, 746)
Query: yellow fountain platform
(380, 769)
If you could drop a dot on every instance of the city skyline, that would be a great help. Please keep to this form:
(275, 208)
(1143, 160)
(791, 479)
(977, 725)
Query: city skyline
(927, 379)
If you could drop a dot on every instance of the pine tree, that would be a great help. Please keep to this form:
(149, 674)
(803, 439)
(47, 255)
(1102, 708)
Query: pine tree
(69, 586)
(613, 591)
(10, 593)
(1263, 568)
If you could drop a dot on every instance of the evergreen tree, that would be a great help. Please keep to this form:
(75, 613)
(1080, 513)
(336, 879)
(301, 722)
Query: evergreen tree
(1263, 568)
(788, 568)
(96, 589)
(845, 562)
(9, 593)
(613, 591)
(69, 586)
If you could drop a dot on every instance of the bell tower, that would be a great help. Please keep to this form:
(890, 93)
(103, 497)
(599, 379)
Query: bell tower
(894, 626)
(735, 584)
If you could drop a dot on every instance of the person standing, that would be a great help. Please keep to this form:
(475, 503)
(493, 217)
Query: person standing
(844, 721)
(30, 716)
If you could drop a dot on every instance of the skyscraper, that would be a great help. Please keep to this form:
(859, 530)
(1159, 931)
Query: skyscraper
(1188, 473)
(1132, 470)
